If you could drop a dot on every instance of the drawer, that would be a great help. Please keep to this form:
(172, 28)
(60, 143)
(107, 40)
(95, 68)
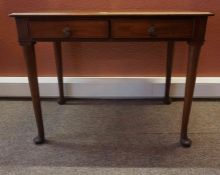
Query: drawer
(152, 28)
(69, 29)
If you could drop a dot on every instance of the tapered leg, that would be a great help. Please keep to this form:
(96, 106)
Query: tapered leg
(170, 53)
(59, 66)
(194, 51)
(29, 54)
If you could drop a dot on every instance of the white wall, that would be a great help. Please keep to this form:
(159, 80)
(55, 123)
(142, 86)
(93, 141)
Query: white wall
(109, 87)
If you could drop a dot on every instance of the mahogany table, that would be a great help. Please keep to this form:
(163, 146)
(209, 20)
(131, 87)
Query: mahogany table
(112, 26)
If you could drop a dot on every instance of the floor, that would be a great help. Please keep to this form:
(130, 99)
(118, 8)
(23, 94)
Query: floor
(109, 137)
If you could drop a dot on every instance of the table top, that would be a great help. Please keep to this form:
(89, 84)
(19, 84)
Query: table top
(114, 13)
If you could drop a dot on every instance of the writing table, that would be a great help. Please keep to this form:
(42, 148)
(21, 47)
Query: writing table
(57, 27)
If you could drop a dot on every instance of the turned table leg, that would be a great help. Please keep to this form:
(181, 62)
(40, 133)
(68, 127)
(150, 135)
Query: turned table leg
(194, 51)
(169, 65)
(29, 54)
(59, 67)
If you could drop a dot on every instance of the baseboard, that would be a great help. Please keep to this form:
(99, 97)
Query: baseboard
(110, 87)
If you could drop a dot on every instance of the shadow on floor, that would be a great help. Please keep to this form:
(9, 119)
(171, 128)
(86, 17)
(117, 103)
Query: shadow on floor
(109, 135)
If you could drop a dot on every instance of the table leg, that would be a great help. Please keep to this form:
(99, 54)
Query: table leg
(169, 65)
(59, 67)
(29, 54)
(194, 51)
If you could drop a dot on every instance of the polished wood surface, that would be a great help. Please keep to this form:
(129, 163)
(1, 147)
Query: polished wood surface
(76, 29)
(115, 13)
(29, 55)
(161, 28)
(59, 67)
(113, 26)
(194, 51)
(169, 66)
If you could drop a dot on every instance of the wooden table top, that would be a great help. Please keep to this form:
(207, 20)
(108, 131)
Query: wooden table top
(114, 13)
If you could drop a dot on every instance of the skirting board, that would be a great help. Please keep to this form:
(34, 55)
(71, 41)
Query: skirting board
(110, 87)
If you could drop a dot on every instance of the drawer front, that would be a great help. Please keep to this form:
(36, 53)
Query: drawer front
(69, 29)
(152, 28)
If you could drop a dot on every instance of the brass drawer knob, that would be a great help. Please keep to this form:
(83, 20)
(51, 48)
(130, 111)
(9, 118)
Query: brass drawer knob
(67, 32)
(152, 31)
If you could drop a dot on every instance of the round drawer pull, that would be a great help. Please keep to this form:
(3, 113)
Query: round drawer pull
(152, 31)
(67, 32)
